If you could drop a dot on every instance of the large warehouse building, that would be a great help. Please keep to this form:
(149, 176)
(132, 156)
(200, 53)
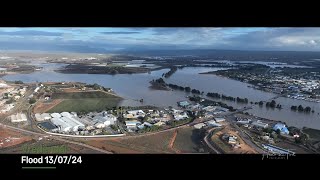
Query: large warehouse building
(66, 122)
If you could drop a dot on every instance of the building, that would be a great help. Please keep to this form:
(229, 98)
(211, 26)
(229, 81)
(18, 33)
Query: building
(55, 115)
(160, 123)
(46, 116)
(222, 109)
(38, 117)
(20, 117)
(277, 150)
(37, 89)
(183, 103)
(213, 123)
(106, 119)
(259, 124)
(132, 124)
(282, 127)
(16, 97)
(135, 114)
(199, 126)
(244, 121)
(67, 122)
(210, 108)
(180, 116)
(219, 119)
(66, 114)
(62, 125)
(232, 140)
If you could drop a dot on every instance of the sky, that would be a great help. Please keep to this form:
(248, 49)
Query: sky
(110, 39)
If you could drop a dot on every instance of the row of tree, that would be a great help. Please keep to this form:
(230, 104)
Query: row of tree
(272, 104)
(300, 108)
(169, 73)
(208, 102)
(187, 89)
(230, 98)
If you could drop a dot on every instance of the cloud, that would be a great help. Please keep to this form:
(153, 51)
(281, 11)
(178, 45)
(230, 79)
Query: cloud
(30, 33)
(121, 32)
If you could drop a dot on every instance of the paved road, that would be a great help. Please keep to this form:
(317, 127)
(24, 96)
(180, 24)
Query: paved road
(56, 138)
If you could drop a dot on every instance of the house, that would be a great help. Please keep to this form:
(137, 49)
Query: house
(208, 115)
(222, 109)
(199, 126)
(38, 117)
(160, 123)
(46, 97)
(135, 114)
(259, 124)
(16, 97)
(183, 103)
(213, 123)
(244, 121)
(132, 124)
(232, 140)
(210, 108)
(282, 127)
(219, 119)
(180, 116)
(20, 117)
(45, 116)
(175, 111)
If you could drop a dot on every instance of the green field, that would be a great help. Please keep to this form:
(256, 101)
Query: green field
(81, 95)
(187, 140)
(313, 133)
(84, 102)
(40, 149)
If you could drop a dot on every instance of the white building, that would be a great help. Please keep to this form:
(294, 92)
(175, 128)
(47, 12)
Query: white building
(38, 117)
(63, 126)
(66, 122)
(55, 115)
(213, 123)
(219, 119)
(37, 89)
(259, 124)
(45, 116)
(244, 121)
(199, 126)
(132, 124)
(66, 114)
(20, 117)
(135, 114)
(180, 116)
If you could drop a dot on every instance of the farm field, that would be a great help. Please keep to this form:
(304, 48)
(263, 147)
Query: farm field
(84, 101)
(155, 143)
(188, 140)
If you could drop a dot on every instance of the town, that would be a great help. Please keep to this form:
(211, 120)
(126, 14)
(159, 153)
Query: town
(39, 107)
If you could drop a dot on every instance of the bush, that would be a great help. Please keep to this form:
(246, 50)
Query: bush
(32, 100)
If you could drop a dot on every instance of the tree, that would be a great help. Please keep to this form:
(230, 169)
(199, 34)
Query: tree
(268, 104)
(18, 82)
(307, 109)
(96, 86)
(260, 103)
(187, 89)
(300, 108)
(294, 108)
(32, 100)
